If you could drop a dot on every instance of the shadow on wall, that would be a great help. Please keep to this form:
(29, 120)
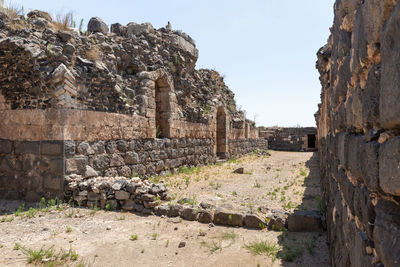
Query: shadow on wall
(305, 242)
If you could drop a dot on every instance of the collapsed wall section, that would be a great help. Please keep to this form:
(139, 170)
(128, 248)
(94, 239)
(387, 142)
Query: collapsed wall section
(75, 106)
(359, 133)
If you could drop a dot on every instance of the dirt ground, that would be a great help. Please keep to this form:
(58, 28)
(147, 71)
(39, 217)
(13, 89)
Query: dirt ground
(112, 238)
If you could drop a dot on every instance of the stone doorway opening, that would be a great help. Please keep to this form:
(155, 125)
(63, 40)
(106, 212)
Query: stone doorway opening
(221, 133)
(311, 140)
(163, 108)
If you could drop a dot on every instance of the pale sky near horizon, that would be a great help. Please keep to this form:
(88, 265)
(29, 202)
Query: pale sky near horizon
(265, 48)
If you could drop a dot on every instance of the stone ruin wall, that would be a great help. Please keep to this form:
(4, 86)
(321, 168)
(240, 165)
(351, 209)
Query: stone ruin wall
(359, 133)
(116, 104)
(290, 139)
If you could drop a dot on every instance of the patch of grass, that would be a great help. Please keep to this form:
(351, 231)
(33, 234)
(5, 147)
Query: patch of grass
(234, 193)
(69, 229)
(289, 205)
(154, 236)
(303, 173)
(133, 237)
(262, 247)
(121, 218)
(212, 246)
(311, 244)
(7, 219)
(216, 186)
(17, 246)
(190, 200)
(109, 207)
(94, 210)
(167, 244)
(257, 184)
(49, 256)
(228, 235)
(290, 254)
(188, 170)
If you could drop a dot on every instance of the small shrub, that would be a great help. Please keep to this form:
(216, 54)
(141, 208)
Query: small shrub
(69, 229)
(262, 247)
(133, 237)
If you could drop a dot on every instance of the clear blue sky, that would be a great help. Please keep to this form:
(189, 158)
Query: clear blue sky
(266, 48)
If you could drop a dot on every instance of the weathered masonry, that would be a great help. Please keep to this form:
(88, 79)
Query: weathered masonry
(359, 133)
(124, 103)
(291, 139)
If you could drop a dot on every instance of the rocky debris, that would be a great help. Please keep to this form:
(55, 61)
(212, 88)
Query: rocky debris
(114, 192)
(97, 25)
(304, 221)
(239, 170)
(182, 244)
(277, 220)
(105, 66)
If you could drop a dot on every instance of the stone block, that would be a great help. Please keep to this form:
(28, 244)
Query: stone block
(224, 217)
(389, 170)
(189, 213)
(69, 148)
(5, 146)
(304, 221)
(51, 148)
(342, 149)
(370, 165)
(53, 183)
(389, 109)
(27, 147)
(386, 229)
(175, 211)
(84, 148)
(122, 195)
(76, 165)
(206, 216)
(131, 158)
(254, 221)
(116, 161)
(354, 155)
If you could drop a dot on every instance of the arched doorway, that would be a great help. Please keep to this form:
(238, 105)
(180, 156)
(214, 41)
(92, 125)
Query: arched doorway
(221, 133)
(163, 108)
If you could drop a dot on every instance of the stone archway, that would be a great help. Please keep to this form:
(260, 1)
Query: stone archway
(221, 141)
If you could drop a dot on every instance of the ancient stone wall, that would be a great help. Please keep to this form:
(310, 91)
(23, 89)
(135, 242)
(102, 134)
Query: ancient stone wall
(107, 104)
(359, 133)
(290, 139)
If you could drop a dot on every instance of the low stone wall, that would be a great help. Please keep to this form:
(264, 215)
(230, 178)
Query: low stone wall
(129, 158)
(244, 146)
(31, 169)
(290, 139)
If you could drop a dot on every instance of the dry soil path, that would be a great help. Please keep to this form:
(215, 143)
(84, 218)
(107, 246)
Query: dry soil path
(102, 238)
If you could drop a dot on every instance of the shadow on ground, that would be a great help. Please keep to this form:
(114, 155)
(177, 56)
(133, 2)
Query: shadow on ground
(306, 237)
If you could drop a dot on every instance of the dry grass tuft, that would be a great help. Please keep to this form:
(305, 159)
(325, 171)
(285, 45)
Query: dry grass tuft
(93, 54)
(11, 10)
(64, 21)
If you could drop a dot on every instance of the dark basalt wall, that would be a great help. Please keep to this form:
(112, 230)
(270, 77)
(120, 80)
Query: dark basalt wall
(359, 133)
(290, 139)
